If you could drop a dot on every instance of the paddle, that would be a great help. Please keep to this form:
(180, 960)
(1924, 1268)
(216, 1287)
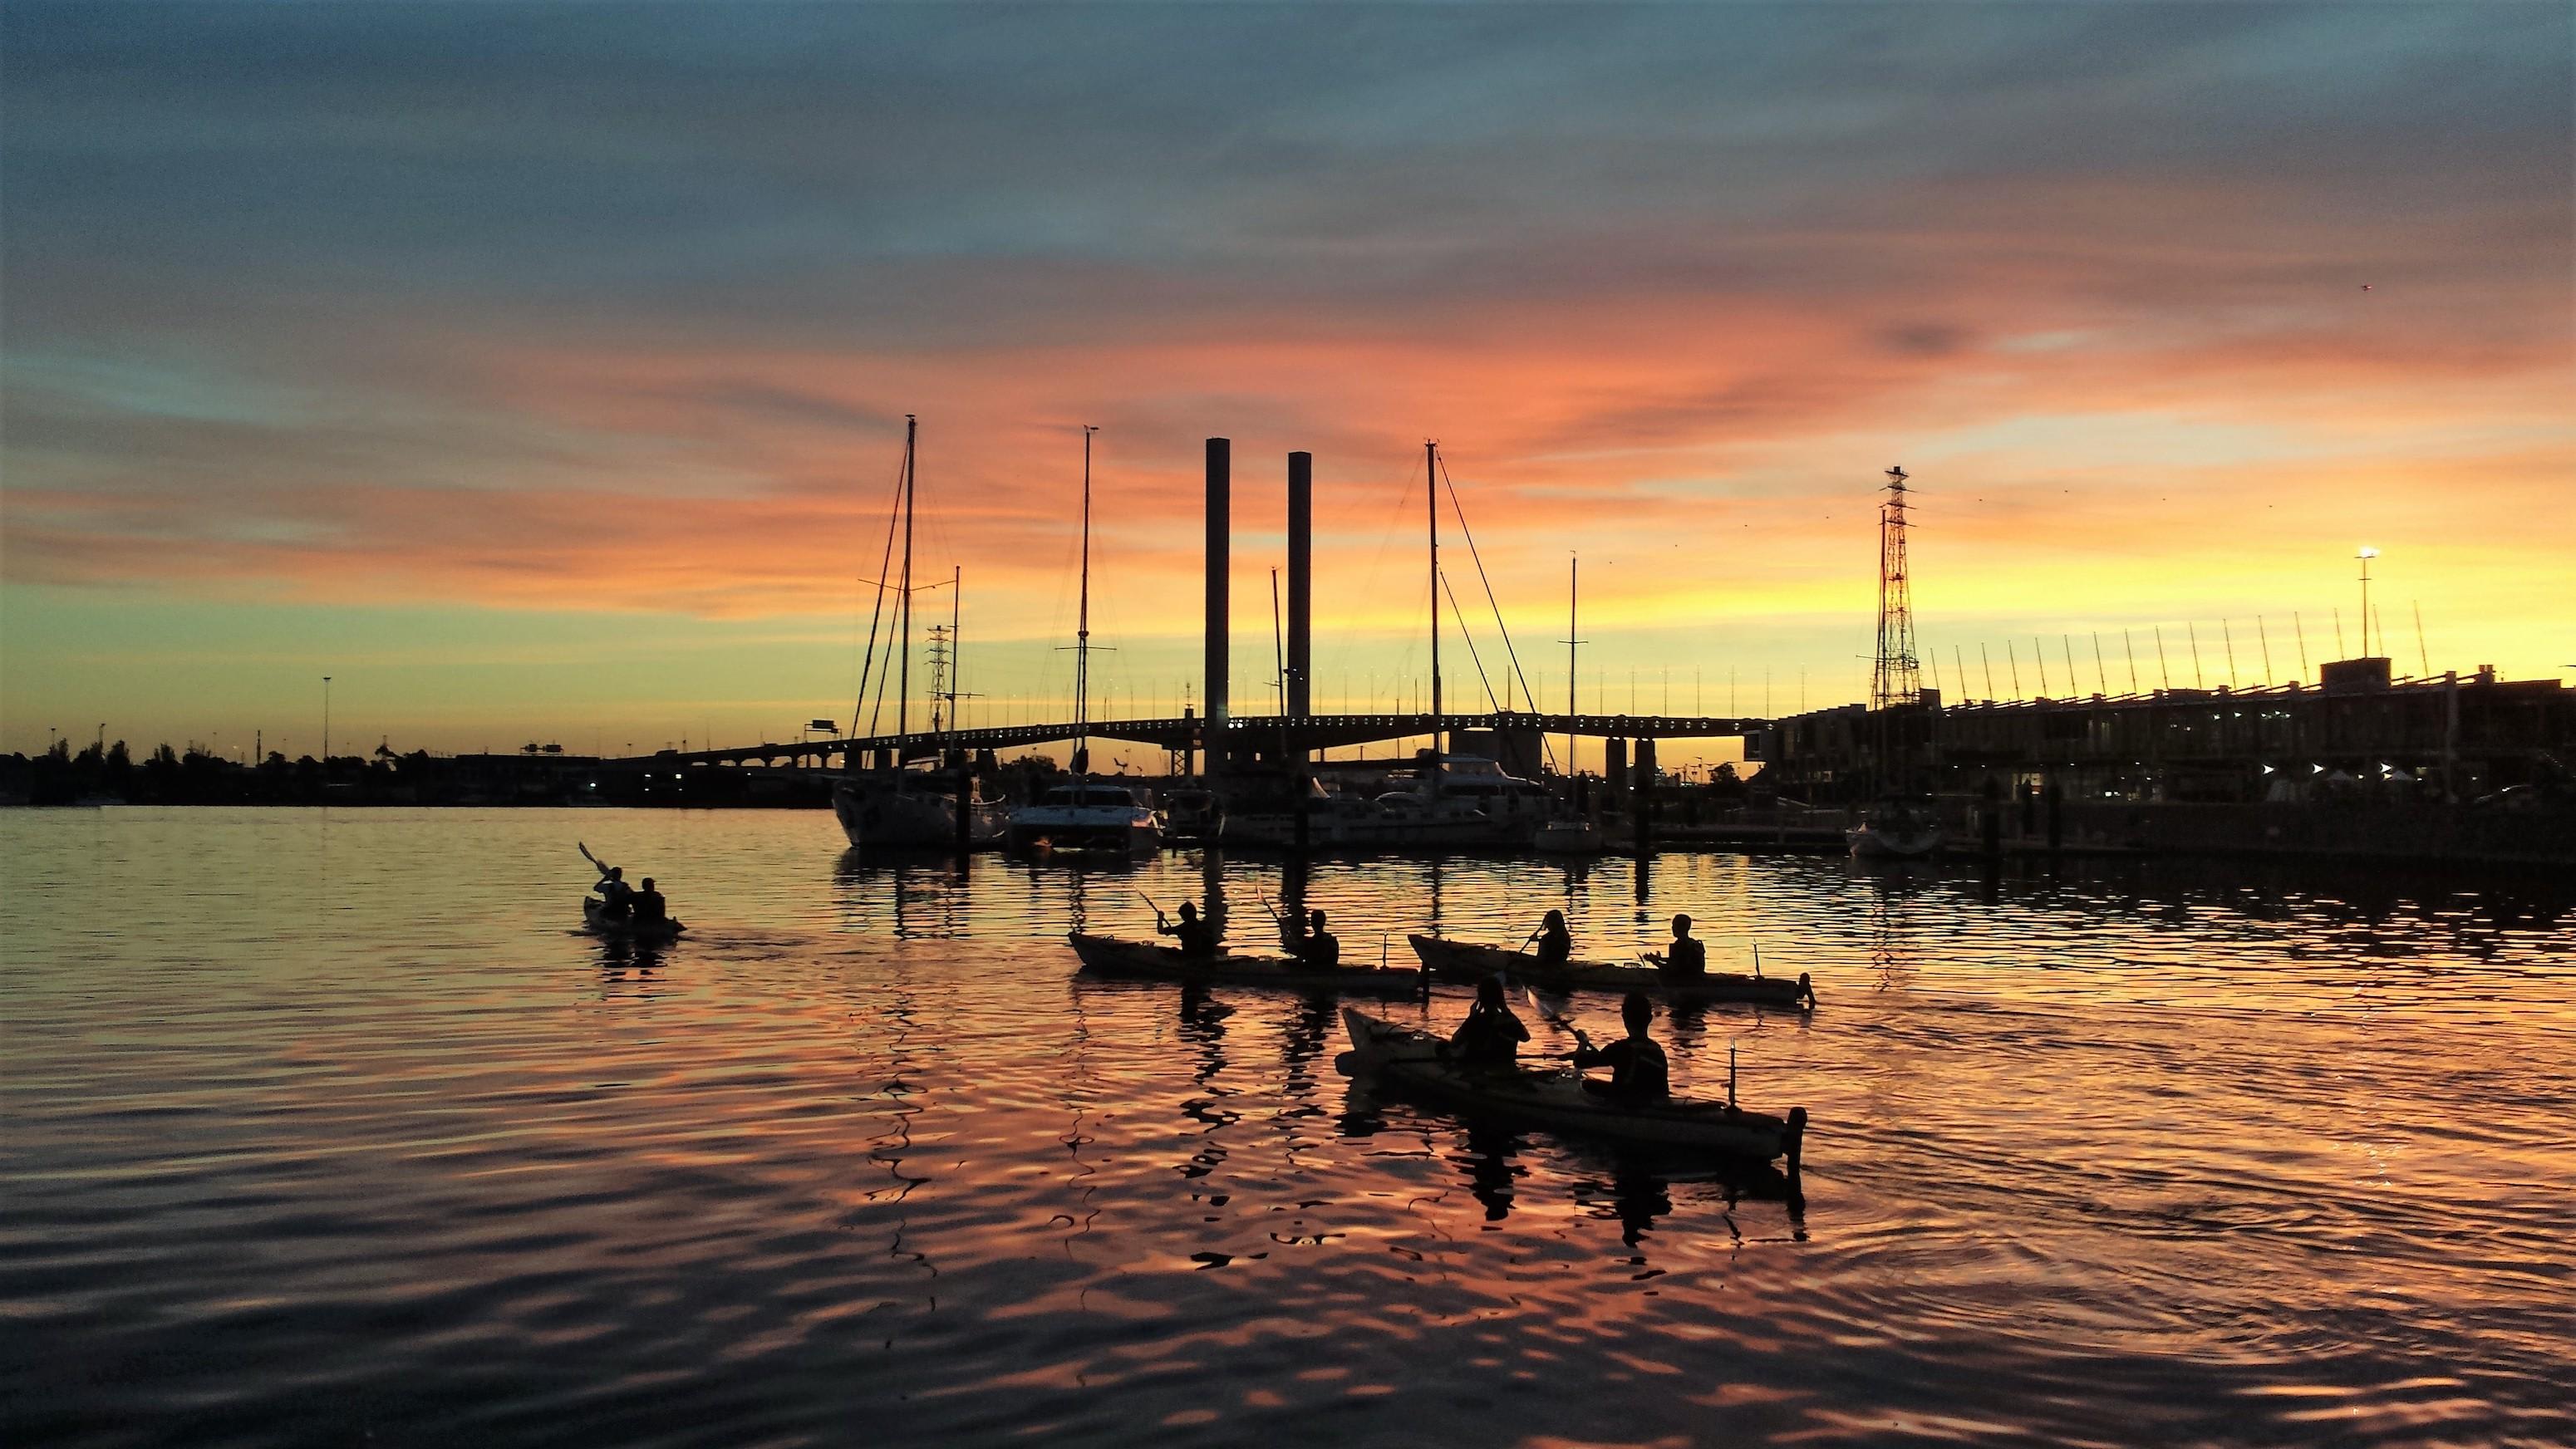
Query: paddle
(1552, 1019)
(594, 860)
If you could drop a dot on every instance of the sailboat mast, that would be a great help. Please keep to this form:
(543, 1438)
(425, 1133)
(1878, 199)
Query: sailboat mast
(1431, 496)
(1573, 597)
(903, 677)
(1082, 625)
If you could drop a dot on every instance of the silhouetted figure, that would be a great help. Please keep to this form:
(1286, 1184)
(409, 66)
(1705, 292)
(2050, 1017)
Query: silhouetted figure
(1320, 949)
(1555, 942)
(1195, 938)
(616, 896)
(1637, 1070)
(1491, 1035)
(648, 904)
(1686, 959)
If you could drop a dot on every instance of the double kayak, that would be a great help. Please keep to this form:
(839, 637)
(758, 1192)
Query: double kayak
(1558, 1101)
(596, 920)
(1469, 961)
(1109, 956)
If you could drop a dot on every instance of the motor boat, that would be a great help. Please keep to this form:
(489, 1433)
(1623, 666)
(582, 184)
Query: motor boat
(1089, 815)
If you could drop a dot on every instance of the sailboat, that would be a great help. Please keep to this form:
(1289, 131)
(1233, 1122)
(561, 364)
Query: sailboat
(1083, 814)
(899, 807)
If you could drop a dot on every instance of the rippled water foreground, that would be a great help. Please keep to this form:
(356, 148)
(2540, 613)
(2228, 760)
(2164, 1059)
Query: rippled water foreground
(322, 1128)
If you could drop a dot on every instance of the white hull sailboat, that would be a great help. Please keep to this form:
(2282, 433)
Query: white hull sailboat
(890, 810)
(1085, 816)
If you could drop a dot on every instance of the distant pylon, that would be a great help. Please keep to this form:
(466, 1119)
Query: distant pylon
(1898, 676)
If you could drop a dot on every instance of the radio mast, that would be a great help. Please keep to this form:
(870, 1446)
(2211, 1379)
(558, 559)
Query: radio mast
(1898, 677)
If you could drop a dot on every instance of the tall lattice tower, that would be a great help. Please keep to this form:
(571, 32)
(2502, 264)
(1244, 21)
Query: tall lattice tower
(1898, 678)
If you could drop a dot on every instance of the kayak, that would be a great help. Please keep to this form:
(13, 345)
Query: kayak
(1468, 961)
(1558, 1100)
(596, 920)
(1109, 956)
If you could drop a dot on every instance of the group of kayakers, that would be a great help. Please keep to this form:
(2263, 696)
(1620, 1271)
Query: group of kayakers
(1492, 1035)
(1683, 962)
(623, 903)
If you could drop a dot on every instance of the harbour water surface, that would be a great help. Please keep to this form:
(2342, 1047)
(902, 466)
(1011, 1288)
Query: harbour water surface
(321, 1127)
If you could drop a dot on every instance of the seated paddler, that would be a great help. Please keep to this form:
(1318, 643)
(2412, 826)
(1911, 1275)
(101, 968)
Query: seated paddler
(1490, 1036)
(1555, 942)
(1686, 959)
(1196, 939)
(1319, 948)
(649, 905)
(616, 896)
(1637, 1070)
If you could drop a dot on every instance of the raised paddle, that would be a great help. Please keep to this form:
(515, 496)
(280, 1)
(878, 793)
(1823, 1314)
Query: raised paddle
(1550, 1017)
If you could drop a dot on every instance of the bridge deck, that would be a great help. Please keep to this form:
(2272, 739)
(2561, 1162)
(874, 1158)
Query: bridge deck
(1246, 732)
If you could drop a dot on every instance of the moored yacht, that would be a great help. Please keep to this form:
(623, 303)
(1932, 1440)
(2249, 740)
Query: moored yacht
(912, 809)
(1088, 815)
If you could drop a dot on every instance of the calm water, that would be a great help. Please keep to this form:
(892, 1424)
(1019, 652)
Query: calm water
(321, 1128)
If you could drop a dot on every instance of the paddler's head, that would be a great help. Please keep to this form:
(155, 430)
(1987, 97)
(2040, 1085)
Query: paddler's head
(1681, 927)
(1315, 920)
(1556, 918)
(1489, 992)
(648, 882)
(1638, 1012)
(1189, 912)
(617, 872)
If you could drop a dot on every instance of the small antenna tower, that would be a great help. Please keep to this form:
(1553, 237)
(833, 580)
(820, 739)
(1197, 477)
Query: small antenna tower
(942, 656)
(1897, 678)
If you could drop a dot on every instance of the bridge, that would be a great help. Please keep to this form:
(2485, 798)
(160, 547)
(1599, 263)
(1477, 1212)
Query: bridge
(1247, 736)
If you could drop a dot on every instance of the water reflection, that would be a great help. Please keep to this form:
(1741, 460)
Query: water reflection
(875, 1153)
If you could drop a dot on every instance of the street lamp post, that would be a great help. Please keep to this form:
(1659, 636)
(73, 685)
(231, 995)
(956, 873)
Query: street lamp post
(2366, 555)
(326, 724)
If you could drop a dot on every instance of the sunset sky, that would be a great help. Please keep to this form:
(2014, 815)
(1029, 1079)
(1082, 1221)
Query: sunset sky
(539, 372)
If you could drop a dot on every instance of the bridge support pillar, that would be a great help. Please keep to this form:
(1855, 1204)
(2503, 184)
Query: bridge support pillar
(1219, 661)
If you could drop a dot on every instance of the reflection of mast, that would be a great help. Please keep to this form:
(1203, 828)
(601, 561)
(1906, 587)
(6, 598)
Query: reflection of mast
(1897, 677)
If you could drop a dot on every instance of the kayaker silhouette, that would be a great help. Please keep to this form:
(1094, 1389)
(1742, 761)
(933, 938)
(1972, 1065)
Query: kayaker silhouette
(1320, 948)
(1555, 942)
(617, 897)
(648, 904)
(1637, 1069)
(1686, 959)
(1195, 939)
(1491, 1035)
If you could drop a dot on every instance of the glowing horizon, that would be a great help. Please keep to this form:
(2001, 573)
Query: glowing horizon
(427, 354)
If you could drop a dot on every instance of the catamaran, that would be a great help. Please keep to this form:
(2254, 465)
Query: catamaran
(897, 806)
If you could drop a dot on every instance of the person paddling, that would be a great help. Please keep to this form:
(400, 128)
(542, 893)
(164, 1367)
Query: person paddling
(1195, 939)
(1637, 1069)
(1555, 943)
(1491, 1035)
(1319, 948)
(616, 896)
(1686, 960)
(649, 906)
